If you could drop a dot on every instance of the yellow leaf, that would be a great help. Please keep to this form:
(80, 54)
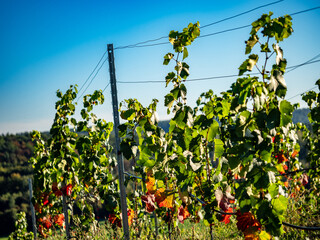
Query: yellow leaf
(163, 198)
(150, 184)
(167, 202)
(264, 235)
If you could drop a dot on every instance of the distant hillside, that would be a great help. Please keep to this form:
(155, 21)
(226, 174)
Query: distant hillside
(301, 115)
(164, 125)
(15, 151)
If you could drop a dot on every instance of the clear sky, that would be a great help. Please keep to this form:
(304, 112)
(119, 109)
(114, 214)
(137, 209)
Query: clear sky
(50, 45)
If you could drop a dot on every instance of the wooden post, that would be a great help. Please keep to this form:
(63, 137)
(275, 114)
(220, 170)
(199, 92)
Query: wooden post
(123, 197)
(156, 223)
(66, 218)
(33, 215)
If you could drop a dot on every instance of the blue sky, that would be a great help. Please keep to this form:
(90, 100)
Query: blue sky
(50, 45)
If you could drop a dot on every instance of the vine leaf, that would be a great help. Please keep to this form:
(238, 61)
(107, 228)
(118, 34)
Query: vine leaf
(167, 58)
(164, 198)
(279, 53)
(195, 166)
(248, 64)
(280, 204)
(169, 100)
(251, 42)
(149, 200)
(280, 79)
(246, 220)
(264, 236)
(183, 213)
(286, 110)
(276, 79)
(185, 53)
(150, 185)
(128, 115)
(213, 131)
(170, 77)
(219, 149)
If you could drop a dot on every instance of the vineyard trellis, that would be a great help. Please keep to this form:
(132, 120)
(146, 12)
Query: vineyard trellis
(197, 160)
(263, 95)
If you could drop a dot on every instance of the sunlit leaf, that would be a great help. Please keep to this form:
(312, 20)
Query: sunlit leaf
(150, 184)
(264, 236)
(213, 131)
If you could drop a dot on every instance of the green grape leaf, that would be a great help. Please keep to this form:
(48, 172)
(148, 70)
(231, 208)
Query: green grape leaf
(170, 77)
(265, 155)
(184, 71)
(129, 114)
(167, 58)
(218, 148)
(234, 161)
(169, 100)
(213, 131)
(280, 204)
(286, 110)
(251, 42)
(273, 190)
(185, 53)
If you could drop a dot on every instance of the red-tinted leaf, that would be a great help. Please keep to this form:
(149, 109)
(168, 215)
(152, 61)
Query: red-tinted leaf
(225, 217)
(246, 220)
(149, 200)
(45, 199)
(224, 204)
(46, 222)
(160, 195)
(66, 190)
(294, 154)
(164, 199)
(305, 179)
(56, 190)
(281, 157)
(114, 220)
(131, 214)
(59, 219)
(183, 213)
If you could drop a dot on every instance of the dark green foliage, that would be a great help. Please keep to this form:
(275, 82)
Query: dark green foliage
(15, 150)
(15, 170)
(21, 232)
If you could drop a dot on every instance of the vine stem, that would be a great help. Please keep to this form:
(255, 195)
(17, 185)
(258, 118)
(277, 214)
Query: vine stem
(207, 159)
(265, 63)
